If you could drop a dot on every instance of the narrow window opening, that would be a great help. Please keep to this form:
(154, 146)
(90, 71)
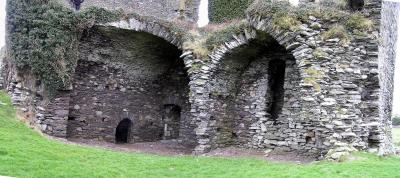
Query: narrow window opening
(276, 88)
(373, 141)
(308, 139)
(234, 135)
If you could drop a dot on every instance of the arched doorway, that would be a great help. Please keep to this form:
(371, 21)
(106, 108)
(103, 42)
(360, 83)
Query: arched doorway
(123, 131)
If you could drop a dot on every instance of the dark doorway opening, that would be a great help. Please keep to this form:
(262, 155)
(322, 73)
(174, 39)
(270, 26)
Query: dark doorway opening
(276, 81)
(123, 131)
(171, 121)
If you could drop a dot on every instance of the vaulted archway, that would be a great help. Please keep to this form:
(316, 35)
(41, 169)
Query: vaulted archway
(129, 73)
(248, 93)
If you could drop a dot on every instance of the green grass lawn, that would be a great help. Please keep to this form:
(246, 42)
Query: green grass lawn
(25, 153)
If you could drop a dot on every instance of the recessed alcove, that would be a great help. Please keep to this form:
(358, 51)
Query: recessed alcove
(128, 74)
(248, 90)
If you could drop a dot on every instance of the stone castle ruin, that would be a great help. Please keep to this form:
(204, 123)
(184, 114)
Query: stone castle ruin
(135, 80)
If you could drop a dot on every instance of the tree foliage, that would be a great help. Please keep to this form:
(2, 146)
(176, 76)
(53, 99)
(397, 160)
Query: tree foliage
(224, 10)
(396, 120)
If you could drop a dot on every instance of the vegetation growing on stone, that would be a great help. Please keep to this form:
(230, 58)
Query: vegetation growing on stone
(44, 38)
(359, 22)
(203, 41)
(313, 76)
(320, 54)
(195, 42)
(286, 21)
(223, 35)
(337, 31)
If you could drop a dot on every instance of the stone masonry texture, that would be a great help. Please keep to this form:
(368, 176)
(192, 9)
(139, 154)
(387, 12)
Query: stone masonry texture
(264, 89)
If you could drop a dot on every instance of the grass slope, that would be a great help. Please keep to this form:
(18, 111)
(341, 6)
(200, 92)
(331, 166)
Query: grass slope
(24, 153)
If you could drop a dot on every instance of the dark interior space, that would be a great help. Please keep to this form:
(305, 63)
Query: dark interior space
(122, 131)
(276, 91)
(251, 73)
(128, 74)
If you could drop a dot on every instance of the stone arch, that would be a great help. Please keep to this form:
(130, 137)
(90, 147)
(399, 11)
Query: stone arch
(151, 27)
(289, 41)
(113, 82)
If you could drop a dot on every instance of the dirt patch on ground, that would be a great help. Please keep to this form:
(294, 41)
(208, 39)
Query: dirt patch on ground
(272, 156)
(175, 148)
(164, 148)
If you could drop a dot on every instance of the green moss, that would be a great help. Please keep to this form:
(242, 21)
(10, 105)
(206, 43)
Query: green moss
(313, 76)
(314, 73)
(225, 10)
(313, 81)
(320, 54)
(195, 67)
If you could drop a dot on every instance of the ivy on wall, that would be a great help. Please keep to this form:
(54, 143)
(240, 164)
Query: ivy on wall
(43, 37)
(224, 10)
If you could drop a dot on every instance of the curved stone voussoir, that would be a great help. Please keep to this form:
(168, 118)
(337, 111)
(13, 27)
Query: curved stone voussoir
(152, 27)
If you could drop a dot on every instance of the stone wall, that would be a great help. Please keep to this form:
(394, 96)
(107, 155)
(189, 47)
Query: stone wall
(249, 109)
(329, 98)
(132, 75)
(163, 9)
(28, 94)
(338, 109)
(387, 55)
